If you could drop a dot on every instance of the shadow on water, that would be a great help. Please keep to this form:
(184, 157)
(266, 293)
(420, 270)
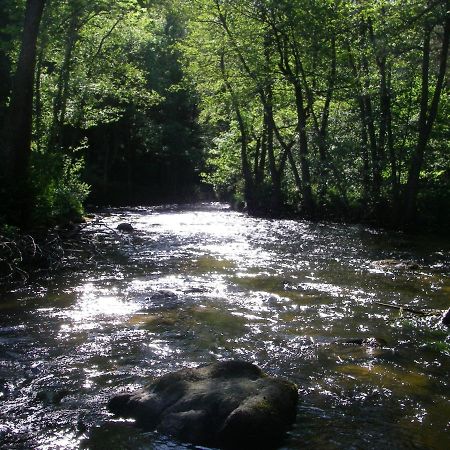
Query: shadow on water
(197, 284)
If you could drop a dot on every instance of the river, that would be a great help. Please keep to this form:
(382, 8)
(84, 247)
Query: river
(202, 283)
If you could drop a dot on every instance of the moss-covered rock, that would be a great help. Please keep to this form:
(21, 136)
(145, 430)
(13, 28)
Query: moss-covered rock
(229, 404)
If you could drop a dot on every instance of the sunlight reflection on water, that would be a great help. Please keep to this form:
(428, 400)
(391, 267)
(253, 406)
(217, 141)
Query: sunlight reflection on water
(94, 301)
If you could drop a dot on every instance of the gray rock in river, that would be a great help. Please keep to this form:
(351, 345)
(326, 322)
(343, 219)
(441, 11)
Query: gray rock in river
(125, 227)
(229, 404)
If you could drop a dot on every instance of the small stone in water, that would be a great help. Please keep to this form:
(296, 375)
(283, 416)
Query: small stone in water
(53, 397)
(125, 227)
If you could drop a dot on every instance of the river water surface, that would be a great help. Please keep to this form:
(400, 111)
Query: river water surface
(198, 284)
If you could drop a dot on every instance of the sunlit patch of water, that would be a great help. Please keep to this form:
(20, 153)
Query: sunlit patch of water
(95, 301)
(64, 439)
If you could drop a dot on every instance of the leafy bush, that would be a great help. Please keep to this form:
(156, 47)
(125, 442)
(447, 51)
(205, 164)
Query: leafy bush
(60, 193)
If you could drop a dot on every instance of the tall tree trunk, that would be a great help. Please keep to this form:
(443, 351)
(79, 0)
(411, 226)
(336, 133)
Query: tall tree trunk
(62, 92)
(20, 116)
(38, 99)
(323, 130)
(374, 151)
(308, 199)
(37, 96)
(276, 201)
(264, 143)
(275, 173)
(260, 148)
(249, 191)
(267, 104)
(385, 137)
(427, 116)
(5, 63)
(364, 152)
(366, 185)
(131, 157)
(394, 175)
(321, 123)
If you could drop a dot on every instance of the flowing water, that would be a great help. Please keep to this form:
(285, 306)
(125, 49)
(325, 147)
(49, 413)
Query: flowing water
(198, 284)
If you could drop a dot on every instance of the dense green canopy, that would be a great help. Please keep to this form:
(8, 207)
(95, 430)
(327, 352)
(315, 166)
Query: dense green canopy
(317, 108)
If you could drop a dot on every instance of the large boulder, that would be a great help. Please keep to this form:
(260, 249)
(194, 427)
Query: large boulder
(229, 404)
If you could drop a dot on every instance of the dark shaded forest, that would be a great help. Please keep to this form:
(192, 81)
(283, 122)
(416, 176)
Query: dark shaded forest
(334, 110)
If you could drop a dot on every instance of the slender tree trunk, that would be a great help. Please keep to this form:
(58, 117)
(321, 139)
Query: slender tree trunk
(321, 123)
(5, 64)
(259, 146)
(323, 129)
(286, 155)
(80, 115)
(394, 176)
(376, 150)
(364, 153)
(385, 137)
(249, 193)
(366, 185)
(131, 157)
(106, 161)
(304, 182)
(20, 116)
(375, 157)
(62, 92)
(275, 173)
(308, 200)
(38, 99)
(262, 158)
(295, 172)
(267, 103)
(427, 116)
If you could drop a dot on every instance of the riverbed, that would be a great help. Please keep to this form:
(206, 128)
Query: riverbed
(200, 283)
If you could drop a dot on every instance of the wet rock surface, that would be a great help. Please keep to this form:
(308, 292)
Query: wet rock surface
(125, 227)
(229, 404)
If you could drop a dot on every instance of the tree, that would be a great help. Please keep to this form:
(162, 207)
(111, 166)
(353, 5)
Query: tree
(337, 90)
(19, 120)
(428, 107)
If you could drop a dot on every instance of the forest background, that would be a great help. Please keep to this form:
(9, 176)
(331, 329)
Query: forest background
(320, 109)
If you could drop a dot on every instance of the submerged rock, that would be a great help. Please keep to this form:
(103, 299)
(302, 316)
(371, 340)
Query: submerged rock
(229, 404)
(52, 397)
(125, 227)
